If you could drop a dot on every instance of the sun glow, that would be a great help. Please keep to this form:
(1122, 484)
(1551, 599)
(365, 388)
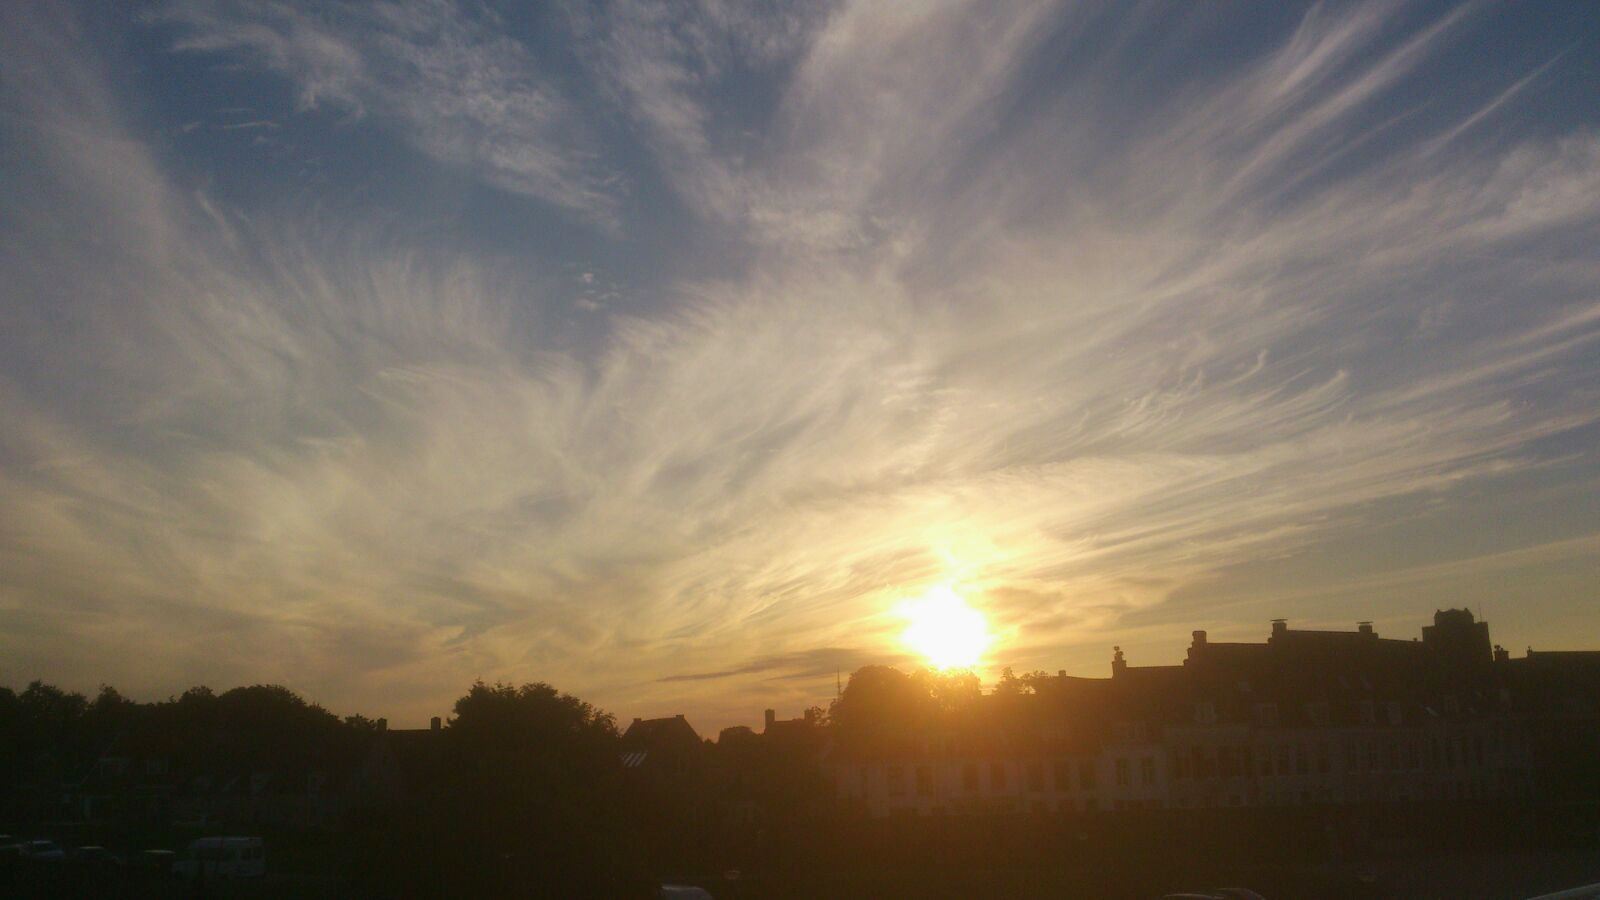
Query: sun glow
(944, 629)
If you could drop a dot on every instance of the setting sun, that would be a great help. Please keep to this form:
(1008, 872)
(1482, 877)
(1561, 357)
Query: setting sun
(944, 629)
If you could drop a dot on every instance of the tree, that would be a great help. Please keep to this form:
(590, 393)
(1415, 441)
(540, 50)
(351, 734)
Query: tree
(1011, 685)
(525, 798)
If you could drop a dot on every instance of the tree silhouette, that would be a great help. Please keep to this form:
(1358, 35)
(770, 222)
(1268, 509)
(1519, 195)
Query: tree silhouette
(525, 799)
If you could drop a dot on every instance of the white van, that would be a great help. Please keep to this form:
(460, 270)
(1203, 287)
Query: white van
(210, 858)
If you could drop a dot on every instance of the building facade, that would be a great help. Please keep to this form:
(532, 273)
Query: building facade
(1304, 718)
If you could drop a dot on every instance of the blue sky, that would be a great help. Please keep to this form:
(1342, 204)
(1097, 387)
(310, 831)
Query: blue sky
(660, 350)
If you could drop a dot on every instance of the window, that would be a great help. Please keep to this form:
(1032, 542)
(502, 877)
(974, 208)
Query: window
(1035, 776)
(1122, 772)
(1317, 713)
(1369, 713)
(1228, 761)
(924, 781)
(1324, 763)
(1086, 774)
(1395, 712)
(897, 781)
(1302, 760)
(969, 777)
(997, 777)
(1147, 770)
(1063, 773)
(1205, 713)
(1283, 759)
(1266, 714)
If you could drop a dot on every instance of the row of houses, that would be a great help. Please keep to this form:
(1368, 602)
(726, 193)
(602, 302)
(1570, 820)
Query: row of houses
(1304, 718)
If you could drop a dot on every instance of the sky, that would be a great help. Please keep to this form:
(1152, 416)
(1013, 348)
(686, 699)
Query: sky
(662, 351)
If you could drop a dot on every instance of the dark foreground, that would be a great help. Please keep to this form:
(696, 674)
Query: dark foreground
(1467, 877)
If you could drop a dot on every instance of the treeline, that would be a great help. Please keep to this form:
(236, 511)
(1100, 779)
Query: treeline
(53, 736)
(522, 792)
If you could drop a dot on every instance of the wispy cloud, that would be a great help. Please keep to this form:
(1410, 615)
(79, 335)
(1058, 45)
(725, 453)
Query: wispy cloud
(1073, 345)
(440, 75)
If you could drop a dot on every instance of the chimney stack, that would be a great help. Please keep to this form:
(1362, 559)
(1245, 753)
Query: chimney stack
(383, 724)
(434, 724)
(1280, 626)
(1364, 627)
(771, 716)
(1199, 638)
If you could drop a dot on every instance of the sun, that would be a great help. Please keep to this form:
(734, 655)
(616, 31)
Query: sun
(944, 629)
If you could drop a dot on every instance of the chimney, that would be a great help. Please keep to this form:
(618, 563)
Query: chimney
(1501, 654)
(434, 724)
(383, 724)
(771, 716)
(1280, 626)
(1364, 627)
(637, 720)
(1061, 673)
(1119, 664)
(1199, 638)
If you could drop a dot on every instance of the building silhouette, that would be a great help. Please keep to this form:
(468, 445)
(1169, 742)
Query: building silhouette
(1303, 718)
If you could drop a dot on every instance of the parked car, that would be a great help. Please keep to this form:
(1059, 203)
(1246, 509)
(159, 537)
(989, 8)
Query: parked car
(154, 862)
(95, 856)
(222, 857)
(43, 851)
(684, 892)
